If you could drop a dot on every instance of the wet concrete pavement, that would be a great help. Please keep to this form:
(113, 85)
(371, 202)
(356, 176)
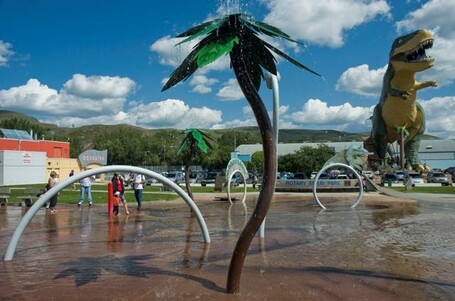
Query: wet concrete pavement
(389, 248)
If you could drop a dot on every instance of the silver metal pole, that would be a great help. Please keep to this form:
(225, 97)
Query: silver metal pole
(272, 83)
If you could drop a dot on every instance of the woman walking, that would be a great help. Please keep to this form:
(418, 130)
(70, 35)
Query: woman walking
(51, 182)
(118, 185)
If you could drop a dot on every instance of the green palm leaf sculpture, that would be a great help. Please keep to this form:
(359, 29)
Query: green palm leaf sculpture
(238, 35)
(220, 37)
(194, 144)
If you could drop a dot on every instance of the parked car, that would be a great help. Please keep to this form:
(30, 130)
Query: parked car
(342, 177)
(176, 177)
(400, 175)
(210, 178)
(150, 181)
(389, 178)
(438, 177)
(450, 170)
(195, 177)
(368, 173)
(313, 174)
(299, 176)
(415, 177)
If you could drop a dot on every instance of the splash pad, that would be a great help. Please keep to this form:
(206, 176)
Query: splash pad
(382, 250)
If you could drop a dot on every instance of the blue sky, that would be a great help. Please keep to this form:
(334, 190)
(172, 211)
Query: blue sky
(81, 62)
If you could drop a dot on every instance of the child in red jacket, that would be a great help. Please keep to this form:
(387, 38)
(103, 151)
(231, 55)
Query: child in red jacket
(116, 202)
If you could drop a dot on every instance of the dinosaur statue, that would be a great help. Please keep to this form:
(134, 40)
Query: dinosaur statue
(398, 109)
(354, 156)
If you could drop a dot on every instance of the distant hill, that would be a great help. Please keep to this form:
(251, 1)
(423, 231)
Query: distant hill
(4, 115)
(89, 132)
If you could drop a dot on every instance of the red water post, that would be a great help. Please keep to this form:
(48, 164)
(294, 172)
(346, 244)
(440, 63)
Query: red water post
(110, 199)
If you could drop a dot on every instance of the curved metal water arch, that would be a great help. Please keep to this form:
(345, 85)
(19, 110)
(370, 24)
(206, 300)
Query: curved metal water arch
(359, 197)
(236, 166)
(229, 187)
(114, 168)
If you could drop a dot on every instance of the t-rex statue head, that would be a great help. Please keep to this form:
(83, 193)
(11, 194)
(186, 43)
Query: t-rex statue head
(408, 51)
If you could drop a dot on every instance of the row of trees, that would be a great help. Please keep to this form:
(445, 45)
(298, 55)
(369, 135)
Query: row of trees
(130, 146)
(23, 124)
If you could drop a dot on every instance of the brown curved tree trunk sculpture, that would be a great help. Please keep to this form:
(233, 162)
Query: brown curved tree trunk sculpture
(187, 180)
(269, 172)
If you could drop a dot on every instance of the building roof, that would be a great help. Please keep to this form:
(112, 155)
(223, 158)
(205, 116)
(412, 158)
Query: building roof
(433, 146)
(426, 146)
(15, 134)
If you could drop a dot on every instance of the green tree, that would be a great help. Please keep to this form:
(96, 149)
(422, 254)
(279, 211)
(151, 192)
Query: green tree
(23, 125)
(224, 145)
(306, 159)
(76, 147)
(124, 146)
(168, 141)
(257, 162)
(238, 36)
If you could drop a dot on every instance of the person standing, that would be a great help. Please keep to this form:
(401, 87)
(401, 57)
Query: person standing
(86, 189)
(51, 182)
(116, 202)
(70, 175)
(118, 188)
(255, 181)
(138, 184)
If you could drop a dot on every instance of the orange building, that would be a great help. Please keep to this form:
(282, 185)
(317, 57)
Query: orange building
(53, 149)
(17, 142)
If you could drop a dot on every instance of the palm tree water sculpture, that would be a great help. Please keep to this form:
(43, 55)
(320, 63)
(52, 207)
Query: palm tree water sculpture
(194, 144)
(238, 36)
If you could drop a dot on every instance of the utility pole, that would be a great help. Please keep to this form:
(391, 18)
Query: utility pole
(402, 159)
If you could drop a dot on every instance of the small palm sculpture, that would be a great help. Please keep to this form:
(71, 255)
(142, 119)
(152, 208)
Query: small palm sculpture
(238, 36)
(194, 144)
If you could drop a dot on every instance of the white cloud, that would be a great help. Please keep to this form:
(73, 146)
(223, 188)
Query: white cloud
(5, 52)
(69, 121)
(170, 54)
(436, 15)
(82, 96)
(439, 116)
(230, 91)
(174, 113)
(317, 112)
(98, 87)
(33, 96)
(361, 80)
(100, 100)
(202, 84)
(443, 70)
(322, 22)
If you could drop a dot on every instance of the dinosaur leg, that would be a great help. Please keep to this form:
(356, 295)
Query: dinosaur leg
(412, 143)
(379, 132)
(411, 153)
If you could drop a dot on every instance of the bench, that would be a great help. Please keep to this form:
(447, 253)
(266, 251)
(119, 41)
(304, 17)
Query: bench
(30, 195)
(219, 183)
(4, 195)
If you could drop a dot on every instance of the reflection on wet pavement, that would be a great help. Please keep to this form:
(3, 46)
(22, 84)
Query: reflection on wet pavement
(386, 249)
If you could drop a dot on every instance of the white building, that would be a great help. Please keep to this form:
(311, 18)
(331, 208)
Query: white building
(435, 153)
(22, 167)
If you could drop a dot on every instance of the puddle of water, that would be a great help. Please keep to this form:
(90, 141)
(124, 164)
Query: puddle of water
(383, 250)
